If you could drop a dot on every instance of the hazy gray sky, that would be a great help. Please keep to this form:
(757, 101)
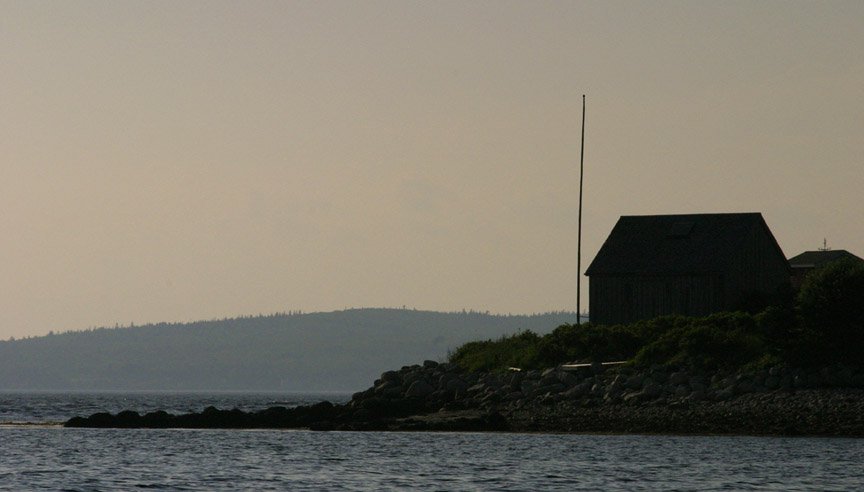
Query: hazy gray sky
(170, 161)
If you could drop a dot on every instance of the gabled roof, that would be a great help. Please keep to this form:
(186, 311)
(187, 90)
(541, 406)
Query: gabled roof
(812, 259)
(676, 244)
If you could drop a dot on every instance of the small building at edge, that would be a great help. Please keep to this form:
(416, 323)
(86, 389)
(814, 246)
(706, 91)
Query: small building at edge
(808, 261)
(692, 265)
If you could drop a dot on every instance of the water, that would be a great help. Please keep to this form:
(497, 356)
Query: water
(43, 456)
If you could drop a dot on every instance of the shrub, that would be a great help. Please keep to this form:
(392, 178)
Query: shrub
(831, 305)
(518, 350)
(592, 342)
(827, 326)
(719, 341)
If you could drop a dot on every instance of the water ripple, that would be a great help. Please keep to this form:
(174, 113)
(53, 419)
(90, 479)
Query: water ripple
(49, 457)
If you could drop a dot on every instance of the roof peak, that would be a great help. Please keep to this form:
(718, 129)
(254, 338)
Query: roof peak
(820, 251)
(678, 243)
(697, 214)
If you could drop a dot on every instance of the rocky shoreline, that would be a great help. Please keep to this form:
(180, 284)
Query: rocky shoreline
(441, 397)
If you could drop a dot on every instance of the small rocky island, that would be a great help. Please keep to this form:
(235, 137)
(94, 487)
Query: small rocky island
(793, 368)
(443, 397)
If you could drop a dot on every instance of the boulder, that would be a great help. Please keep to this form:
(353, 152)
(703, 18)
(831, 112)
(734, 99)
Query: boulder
(678, 378)
(553, 388)
(391, 376)
(651, 390)
(682, 390)
(419, 388)
(548, 380)
(635, 382)
(567, 378)
(577, 391)
(456, 385)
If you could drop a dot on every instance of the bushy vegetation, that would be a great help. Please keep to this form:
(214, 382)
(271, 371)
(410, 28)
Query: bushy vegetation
(518, 350)
(825, 325)
(722, 340)
(718, 341)
(831, 306)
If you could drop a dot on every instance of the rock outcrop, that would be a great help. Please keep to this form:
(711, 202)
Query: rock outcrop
(433, 396)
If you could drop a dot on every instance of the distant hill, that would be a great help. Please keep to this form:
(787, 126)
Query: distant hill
(335, 351)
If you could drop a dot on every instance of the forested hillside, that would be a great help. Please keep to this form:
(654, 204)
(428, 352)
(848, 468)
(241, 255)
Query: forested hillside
(335, 351)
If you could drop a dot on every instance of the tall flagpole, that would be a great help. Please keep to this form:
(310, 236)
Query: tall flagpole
(579, 239)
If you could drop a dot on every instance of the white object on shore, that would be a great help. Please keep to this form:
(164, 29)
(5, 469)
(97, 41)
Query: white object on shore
(573, 367)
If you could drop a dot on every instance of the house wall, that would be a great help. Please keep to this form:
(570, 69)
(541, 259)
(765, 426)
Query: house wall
(755, 275)
(627, 298)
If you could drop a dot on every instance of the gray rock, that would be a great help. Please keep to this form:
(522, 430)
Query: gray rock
(612, 397)
(515, 379)
(659, 375)
(392, 392)
(568, 378)
(744, 387)
(429, 364)
(547, 389)
(409, 378)
(725, 394)
(613, 393)
(651, 390)
(759, 377)
(632, 396)
(697, 395)
(387, 385)
(477, 388)
(456, 385)
(419, 388)
(391, 376)
(490, 398)
(577, 391)
(514, 396)
(635, 382)
(446, 378)
(550, 379)
(490, 380)
(440, 397)
(678, 378)
(618, 384)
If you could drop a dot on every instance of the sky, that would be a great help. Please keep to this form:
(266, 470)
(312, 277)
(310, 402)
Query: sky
(177, 161)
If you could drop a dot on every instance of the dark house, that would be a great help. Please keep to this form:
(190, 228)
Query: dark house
(692, 265)
(808, 261)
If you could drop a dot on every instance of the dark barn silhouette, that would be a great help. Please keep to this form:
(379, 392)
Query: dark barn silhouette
(691, 265)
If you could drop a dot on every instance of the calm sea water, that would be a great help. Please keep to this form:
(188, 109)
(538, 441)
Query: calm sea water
(38, 455)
